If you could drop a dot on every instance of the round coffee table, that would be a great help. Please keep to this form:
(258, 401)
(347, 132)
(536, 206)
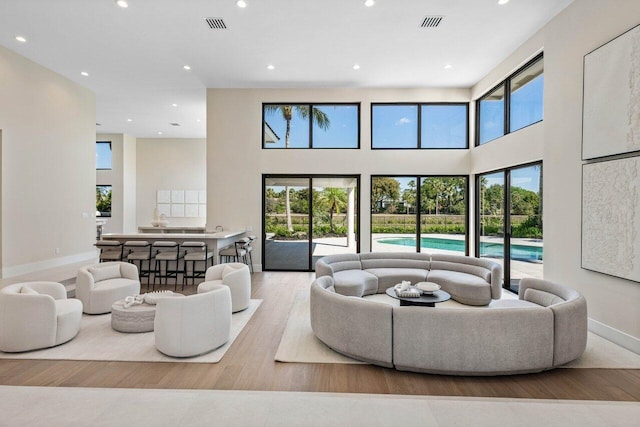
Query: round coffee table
(422, 300)
(135, 319)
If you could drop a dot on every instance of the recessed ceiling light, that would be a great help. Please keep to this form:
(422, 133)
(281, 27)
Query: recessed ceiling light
(186, 67)
(129, 120)
(448, 67)
(198, 120)
(122, 3)
(356, 67)
(241, 3)
(159, 133)
(369, 3)
(174, 105)
(271, 67)
(501, 2)
(21, 39)
(84, 73)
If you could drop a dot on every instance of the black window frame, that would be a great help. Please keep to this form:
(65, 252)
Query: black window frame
(506, 283)
(419, 204)
(111, 150)
(310, 178)
(311, 105)
(419, 106)
(507, 102)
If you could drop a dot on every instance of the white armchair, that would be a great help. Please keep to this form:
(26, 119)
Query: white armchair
(99, 286)
(193, 325)
(37, 315)
(236, 276)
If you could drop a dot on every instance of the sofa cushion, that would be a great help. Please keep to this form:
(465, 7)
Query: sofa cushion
(388, 277)
(395, 260)
(355, 283)
(346, 265)
(481, 272)
(105, 273)
(108, 285)
(511, 303)
(465, 288)
(542, 298)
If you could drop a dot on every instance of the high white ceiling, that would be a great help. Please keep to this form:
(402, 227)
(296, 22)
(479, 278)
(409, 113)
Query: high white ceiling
(135, 56)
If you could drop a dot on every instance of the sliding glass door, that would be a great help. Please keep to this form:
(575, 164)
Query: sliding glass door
(419, 214)
(509, 221)
(319, 219)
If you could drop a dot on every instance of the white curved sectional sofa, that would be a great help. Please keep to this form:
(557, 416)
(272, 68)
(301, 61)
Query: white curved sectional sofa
(545, 328)
(471, 281)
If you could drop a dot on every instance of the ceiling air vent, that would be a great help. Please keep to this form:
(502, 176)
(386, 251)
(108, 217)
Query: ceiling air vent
(431, 21)
(216, 23)
(174, 124)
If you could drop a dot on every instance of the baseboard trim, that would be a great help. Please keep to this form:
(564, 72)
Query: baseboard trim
(623, 339)
(19, 270)
(257, 268)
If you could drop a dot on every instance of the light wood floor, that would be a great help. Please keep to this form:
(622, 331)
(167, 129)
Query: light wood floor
(249, 365)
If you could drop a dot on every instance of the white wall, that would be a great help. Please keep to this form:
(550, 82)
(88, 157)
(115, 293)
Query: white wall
(129, 184)
(48, 166)
(236, 160)
(122, 178)
(113, 177)
(583, 26)
(169, 164)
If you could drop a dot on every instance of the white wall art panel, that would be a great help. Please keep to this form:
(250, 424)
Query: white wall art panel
(191, 211)
(611, 217)
(163, 196)
(611, 111)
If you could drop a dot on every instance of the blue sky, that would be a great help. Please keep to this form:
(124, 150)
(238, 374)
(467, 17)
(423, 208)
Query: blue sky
(103, 156)
(342, 131)
(526, 108)
(442, 126)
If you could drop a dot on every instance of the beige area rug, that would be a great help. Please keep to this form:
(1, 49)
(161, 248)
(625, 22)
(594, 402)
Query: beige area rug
(97, 341)
(300, 345)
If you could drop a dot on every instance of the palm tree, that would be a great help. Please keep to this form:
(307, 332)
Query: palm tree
(334, 199)
(304, 112)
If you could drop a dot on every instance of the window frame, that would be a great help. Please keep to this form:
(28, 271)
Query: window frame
(419, 106)
(418, 213)
(110, 150)
(506, 283)
(311, 105)
(507, 101)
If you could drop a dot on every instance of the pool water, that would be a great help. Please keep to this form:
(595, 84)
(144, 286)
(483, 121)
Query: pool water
(492, 250)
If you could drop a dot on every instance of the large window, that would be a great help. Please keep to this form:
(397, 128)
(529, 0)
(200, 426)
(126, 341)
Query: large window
(413, 126)
(311, 126)
(103, 200)
(513, 104)
(419, 214)
(103, 155)
(509, 221)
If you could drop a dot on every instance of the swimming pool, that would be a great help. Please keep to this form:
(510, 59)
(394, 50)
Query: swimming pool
(493, 250)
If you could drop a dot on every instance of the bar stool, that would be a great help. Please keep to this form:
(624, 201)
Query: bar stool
(234, 253)
(167, 252)
(110, 250)
(195, 252)
(249, 249)
(139, 251)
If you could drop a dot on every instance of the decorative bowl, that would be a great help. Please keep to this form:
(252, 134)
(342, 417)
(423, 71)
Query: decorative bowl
(428, 288)
(152, 297)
